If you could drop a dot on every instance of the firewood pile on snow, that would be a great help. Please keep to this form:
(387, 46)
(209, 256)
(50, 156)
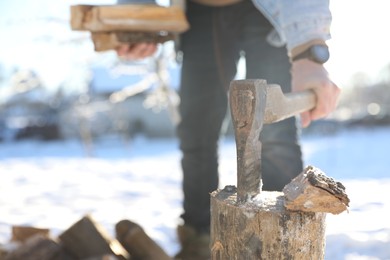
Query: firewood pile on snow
(85, 240)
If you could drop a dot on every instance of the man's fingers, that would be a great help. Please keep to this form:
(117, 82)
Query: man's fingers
(136, 51)
(305, 119)
(327, 103)
(310, 75)
(141, 50)
(148, 50)
(122, 50)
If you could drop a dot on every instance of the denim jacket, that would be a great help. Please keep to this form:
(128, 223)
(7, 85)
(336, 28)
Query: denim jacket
(295, 21)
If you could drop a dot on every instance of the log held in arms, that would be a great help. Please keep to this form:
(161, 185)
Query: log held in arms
(111, 25)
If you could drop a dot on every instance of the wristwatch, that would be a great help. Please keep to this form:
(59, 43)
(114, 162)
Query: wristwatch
(317, 53)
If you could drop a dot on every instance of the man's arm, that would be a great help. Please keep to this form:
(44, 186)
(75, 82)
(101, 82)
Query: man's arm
(302, 24)
(298, 22)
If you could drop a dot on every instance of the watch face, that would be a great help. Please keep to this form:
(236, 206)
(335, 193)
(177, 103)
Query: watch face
(320, 53)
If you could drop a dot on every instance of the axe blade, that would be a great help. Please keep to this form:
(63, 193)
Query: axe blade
(252, 104)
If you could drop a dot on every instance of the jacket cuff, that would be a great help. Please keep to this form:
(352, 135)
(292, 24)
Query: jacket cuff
(307, 33)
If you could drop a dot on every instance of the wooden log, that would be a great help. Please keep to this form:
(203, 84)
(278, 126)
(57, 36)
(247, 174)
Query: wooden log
(77, 16)
(86, 239)
(313, 191)
(262, 228)
(3, 252)
(36, 247)
(22, 233)
(138, 243)
(132, 17)
(104, 41)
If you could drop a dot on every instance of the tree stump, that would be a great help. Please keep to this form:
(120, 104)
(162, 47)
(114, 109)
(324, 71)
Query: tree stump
(263, 228)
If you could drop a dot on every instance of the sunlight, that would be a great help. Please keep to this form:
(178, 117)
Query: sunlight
(360, 39)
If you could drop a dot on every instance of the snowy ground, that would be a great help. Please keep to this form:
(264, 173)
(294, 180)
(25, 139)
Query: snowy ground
(54, 184)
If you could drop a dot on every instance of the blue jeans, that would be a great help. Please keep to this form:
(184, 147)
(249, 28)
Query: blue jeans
(212, 48)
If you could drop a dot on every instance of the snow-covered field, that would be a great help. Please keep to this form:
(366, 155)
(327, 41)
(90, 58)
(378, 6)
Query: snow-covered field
(54, 184)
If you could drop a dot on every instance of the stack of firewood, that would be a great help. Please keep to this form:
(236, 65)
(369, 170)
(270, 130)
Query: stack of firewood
(85, 240)
(113, 25)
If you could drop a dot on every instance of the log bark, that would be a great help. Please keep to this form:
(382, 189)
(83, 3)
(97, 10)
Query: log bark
(138, 243)
(134, 17)
(86, 239)
(263, 228)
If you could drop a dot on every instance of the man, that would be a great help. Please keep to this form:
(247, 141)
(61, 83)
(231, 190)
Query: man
(221, 31)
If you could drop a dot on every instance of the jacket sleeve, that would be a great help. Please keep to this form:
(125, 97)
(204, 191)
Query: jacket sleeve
(298, 21)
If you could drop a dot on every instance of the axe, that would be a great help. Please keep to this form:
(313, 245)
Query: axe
(254, 103)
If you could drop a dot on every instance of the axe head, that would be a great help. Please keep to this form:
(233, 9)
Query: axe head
(252, 104)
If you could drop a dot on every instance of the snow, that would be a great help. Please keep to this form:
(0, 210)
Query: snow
(54, 184)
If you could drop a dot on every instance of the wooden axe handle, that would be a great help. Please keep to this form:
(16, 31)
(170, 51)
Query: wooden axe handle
(280, 106)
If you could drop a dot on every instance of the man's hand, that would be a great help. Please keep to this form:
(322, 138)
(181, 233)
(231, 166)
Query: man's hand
(136, 51)
(307, 74)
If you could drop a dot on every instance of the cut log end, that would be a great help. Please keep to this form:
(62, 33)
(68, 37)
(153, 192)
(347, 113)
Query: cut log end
(22, 233)
(313, 191)
(140, 246)
(77, 18)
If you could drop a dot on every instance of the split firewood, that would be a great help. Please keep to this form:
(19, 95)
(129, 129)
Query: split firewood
(104, 41)
(36, 247)
(313, 191)
(111, 25)
(5, 249)
(22, 233)
(138, 243)
(86, 239)
(130, 17)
